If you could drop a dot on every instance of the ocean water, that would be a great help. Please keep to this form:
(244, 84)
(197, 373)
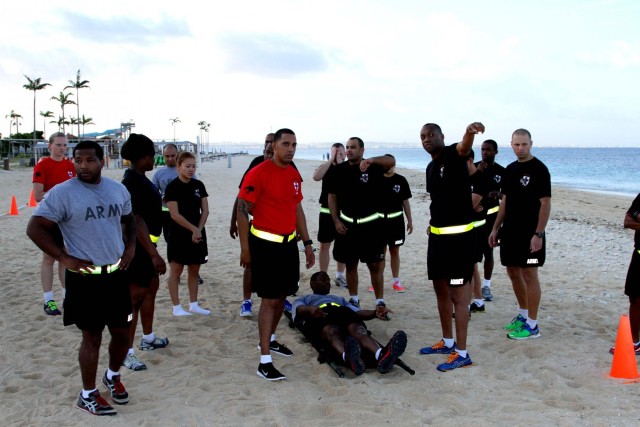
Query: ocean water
(611, 170)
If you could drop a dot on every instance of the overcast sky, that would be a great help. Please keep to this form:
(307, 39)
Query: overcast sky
(569, 71)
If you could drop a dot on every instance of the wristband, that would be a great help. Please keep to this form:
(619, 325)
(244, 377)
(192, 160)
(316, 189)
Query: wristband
(307, 242)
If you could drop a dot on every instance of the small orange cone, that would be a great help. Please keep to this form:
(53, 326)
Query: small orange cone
(14, 206)
(624, 358)
(32, 200)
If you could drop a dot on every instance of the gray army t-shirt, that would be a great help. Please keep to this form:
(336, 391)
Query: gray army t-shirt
(89, 217)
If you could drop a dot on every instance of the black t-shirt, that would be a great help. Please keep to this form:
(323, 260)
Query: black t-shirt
(189, 197)
(492, 176)
(396, 190)
(479, 186)
(324, 194)
(525, 183)
(449, 186)
(146, 200)
(635, 207)
(357, 192)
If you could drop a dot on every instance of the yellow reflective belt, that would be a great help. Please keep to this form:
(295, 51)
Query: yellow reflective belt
(638, 250)
(165, 209)
(479, 223)
(346, 218)
(392, 215)
(455, 229)
(270, 236)
(364, 220)
(493, 210)
(97, 269)
(330, 303)
(154, 239)
(325, 210)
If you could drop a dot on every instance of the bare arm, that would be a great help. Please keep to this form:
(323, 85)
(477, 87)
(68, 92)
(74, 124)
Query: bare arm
(128, 223)
(543, 218)
(233, 228)
(493, 238)
(301, 226)
(464, 147)
(179, 219)
(40, 230)
(475, 200)
(322, 170)
(142, 234)
(38, 191)
(244, 207)
(385, 161)
(407, 211)
(631, 222)
(335, 215)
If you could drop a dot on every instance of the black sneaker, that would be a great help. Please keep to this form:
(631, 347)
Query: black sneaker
(95, 404)
(475, 308)
(390, 353)
(51, 308)
(269, 372)
(352, 353)
(200, 281)
(278, 348)
(119, 394)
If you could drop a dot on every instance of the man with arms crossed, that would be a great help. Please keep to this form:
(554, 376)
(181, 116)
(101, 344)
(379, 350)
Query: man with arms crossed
(524, 213)
(272, 192)
(97, 285)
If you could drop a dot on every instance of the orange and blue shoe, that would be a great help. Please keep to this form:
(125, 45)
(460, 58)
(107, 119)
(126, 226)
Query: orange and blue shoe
(438, 348)
(455, 361)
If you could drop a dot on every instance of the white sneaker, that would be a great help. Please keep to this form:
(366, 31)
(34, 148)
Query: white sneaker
(199, 310)
(179, 311)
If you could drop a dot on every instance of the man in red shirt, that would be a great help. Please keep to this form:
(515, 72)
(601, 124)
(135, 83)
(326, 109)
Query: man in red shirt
(272, 192)
(49, 172)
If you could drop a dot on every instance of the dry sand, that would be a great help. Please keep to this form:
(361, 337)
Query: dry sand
(207, 374)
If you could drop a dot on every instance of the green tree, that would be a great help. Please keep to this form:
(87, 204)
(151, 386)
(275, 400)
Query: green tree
(77, 85)
(14, 119)
(85, 121)
(174, 121)
(45, 115)
(63, 99)
(35, 85)
(61, 122)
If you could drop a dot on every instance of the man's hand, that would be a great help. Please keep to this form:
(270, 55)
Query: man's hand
(233, 230)
(127, 257)
(316, 312)
(364, 164)
(159, 264)
(482, 166)
(493, 239)
(474, 128)
(340, 227)
(495, 195)
(409, 227)
(196, 236)
(382, 311)
(311, 257)
(75, 264)
(245, 258)
(536, 244)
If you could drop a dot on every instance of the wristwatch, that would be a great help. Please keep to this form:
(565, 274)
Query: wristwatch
(540, 234)
(307, 242)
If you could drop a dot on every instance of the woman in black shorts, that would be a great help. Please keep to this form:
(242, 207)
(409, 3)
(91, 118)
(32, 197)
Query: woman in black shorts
(186, 199)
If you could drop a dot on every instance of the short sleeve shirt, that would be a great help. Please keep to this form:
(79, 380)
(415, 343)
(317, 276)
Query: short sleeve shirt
(492, 177)
(479, 187)
(49, 173)
(189, 196)
(146, 200)
(275, 193)
(635, 207)
(357, 192)
(396, 191)
(525, 184)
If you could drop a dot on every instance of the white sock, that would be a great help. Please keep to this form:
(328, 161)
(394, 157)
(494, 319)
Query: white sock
(273, 337)
(86, 393)
(396, 279)
(524, 312)
(344, 356)
(378, 351)
(110, 374)
(179, 311)
(48, 296)
(195, 308)
(265, 358)
(379, 300)
(340, 274)
(486, 283)
(64, 293)
(448, 342)
(149, 338)
(355, 298)
(479, 302)
(130, 351)
(532, 323)
(462, 353)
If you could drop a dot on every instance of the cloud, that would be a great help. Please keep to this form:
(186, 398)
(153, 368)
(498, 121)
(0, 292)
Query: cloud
(123, 29)
(271, 55)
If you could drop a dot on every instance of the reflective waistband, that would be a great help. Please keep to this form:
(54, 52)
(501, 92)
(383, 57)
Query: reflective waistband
(638, 250)
(391, 215)
(455, 229)
(101, 269)
(325, 210)
(364, 220)
(479, 223)
(493, 210)
(154, 239)
(277, 238)
(334, 304)
(165, 209)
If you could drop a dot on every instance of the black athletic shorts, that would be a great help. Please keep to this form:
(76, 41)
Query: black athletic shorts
(515, 250)
(487, 250)
(141, 270)
(632, 284)
(166, 225)
(182, 250)
(394, 231)
(95, 300)
(362, 242)
(480, 240)
(450, 256)
(275, 267)
(326, 228)
(340, 316)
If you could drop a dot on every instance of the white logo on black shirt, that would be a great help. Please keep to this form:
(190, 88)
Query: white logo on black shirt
(497, 179)
(364, 177)
(525, 180)
(396, 188)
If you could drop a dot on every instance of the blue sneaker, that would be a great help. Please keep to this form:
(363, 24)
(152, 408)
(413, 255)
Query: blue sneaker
(524, 332)
(455, 361)
(287, 306)
(246, 309)
(438, 348)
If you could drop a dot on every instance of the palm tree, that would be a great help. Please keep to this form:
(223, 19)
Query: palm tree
(77, 85)
(203, 127)
(75, 121)
(173, 122)
(46, 115)
(35, 85)
(61, 122)
(86, 121)
(13, 120)
(63, 99)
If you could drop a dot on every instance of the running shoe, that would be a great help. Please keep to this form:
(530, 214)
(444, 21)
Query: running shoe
(269, 372)
(515, 323)
(95, 404)
(119, 394)
(281, 349)
(524, 332)
(475, 308)
(455, 361)
(133, 363)
(390, 353)
(371, 289)
(398, 287)
(636, 349)
(341, 282)
(51, 308)
(246, 309)
(438, 348)
(287, 306)
(486, 293)
(156, 343)
(352, 353)
(354, 303)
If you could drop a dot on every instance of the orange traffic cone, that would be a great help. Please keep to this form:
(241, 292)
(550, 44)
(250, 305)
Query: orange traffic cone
(14, 206)
(32, 200)
(624, 358)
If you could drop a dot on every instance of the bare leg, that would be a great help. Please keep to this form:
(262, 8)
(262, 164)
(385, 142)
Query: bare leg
(175, 270)
(137, 297)
(634, 318)
(477, 284)
(519, 286)
(88, 357)
(148, 307)
(460, 296)
(118, 347)
(268, 315)
(394, 253)
(331, 333)
(61, 272)
(341, 267)
(192, 281)
(246, 284)
(377, 269)
(445, 308)
(46, 273)
(359, 332)
(352, 278)
(534, 293)
(488, 264)
(324, 256)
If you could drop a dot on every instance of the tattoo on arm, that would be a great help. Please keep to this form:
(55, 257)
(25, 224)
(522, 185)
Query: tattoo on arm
(244, 207)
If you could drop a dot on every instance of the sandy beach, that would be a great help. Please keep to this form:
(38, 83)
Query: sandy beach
(206, 376)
